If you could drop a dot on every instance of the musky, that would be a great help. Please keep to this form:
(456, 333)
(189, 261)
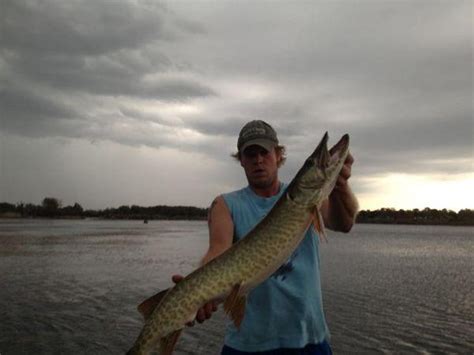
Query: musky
(108, 103)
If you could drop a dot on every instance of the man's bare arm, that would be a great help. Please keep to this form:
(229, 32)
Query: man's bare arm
(221, 229)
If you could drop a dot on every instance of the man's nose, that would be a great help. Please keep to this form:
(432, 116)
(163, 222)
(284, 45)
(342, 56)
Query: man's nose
(258, 157)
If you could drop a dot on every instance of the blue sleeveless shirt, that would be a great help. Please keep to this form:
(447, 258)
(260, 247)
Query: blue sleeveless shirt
(286, 310)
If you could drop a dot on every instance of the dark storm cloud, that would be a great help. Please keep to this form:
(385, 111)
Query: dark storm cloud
(78, 28)
(16, 104)
(104, 48)
(112, 74)
(96, 75)
(28, 113)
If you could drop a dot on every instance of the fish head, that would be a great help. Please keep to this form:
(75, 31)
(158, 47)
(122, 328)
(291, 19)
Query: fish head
(318, 176)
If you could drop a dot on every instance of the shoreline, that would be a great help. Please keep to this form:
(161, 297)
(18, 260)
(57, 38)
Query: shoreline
(77, 218)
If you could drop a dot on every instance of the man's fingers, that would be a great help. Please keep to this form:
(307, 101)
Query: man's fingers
(177, 278)
(349, 159)
(341, 182)
(201, 316)
(204, 313)
(209, 309)
(345, 172)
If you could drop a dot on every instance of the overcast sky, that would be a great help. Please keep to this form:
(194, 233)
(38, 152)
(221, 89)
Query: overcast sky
(110, 103)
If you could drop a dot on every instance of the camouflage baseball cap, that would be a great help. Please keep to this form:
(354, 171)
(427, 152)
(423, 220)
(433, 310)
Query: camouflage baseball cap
(259, 133)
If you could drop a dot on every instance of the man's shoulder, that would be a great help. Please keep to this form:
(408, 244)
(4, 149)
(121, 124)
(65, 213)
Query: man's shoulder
(234, 198)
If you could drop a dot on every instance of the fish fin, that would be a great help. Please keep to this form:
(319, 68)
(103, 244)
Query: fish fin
(238, 311)
(234, 305)
(146, 307)
(168, 342)
(318, 223)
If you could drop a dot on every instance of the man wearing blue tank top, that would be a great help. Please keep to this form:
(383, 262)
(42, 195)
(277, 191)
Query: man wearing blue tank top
(284, 314)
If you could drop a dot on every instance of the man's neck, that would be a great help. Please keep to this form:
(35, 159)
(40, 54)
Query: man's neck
(269, 191)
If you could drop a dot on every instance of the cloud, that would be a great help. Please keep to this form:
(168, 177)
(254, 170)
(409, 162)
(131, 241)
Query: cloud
(105, 48)
(115, 74)
(62, 63)
(396, 76)
(32, 114)
(75, 28)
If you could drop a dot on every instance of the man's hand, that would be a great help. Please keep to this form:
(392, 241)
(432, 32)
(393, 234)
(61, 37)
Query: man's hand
(205, 311)
(340, 209)
(345, 173)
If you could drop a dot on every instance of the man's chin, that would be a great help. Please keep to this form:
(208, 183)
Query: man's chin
(261, 183)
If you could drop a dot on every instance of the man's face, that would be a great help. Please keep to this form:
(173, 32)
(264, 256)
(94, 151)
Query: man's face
(260, 165)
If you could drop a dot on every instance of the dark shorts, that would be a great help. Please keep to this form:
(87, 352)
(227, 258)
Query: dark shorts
(311, 349)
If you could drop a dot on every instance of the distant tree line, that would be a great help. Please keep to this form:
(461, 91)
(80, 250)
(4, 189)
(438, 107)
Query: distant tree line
(154, 212)
(52, 208)
(427, 215)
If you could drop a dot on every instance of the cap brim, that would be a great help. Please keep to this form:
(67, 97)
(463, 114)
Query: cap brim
(264, 143)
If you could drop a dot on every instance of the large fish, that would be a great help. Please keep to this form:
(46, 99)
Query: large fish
(229, 277)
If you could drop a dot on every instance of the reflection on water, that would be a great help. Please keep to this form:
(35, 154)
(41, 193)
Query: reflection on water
(403, 289)
(73, 286)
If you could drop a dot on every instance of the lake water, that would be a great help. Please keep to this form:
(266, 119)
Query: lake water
(71, 287)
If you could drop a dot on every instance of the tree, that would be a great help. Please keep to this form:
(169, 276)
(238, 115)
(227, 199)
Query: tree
(75, 210)
(78, 210)
(50, 206)
(6, 207)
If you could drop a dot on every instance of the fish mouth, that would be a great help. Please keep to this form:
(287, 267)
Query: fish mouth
(318, 176)
(323, 157)
(339, 149)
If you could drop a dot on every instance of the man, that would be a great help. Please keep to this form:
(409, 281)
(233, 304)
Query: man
(284, 314)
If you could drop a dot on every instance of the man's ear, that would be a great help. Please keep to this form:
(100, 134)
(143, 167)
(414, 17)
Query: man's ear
(240, 159)
(279, 156)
